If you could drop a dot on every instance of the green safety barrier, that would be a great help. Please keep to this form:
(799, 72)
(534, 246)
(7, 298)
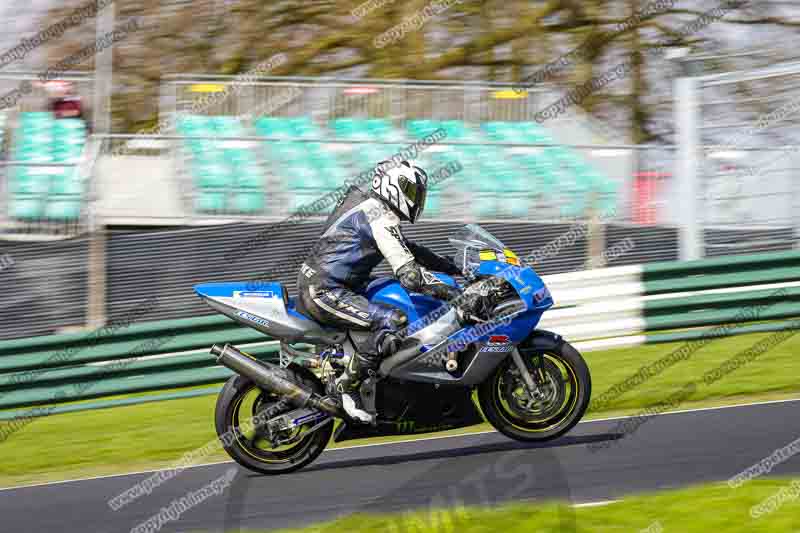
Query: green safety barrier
(141, 357)
(729, 271)
(730, 301)
(81, 371)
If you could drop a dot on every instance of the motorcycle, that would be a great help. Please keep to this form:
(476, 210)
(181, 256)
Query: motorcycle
(453, 368)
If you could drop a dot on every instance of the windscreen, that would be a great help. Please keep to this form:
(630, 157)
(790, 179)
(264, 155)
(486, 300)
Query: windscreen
(469, 241)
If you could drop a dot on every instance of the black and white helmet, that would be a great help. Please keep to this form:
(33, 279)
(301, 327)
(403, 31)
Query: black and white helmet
(403, 187)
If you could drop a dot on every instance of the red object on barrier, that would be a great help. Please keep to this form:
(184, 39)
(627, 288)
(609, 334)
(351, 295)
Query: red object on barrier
(647, 186)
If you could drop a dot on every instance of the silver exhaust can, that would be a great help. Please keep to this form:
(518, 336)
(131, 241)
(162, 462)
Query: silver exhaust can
(273, 378)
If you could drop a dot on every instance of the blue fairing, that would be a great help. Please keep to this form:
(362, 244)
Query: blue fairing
(389, 291)
(529, 285)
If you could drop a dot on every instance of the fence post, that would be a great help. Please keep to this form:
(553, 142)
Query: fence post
(595, 236)
(103, 68)
(96, 260)
(688, 137)
(96, 279)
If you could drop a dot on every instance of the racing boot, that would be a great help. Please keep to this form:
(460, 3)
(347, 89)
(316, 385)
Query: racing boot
(356, 385)
(359, 371)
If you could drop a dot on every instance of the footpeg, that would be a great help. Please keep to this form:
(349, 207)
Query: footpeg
(452, 362)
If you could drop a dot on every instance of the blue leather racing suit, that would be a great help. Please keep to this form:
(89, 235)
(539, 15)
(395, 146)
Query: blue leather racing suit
(357, 236)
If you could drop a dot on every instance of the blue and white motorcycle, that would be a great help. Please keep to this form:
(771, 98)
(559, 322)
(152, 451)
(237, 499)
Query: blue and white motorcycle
(451, 370)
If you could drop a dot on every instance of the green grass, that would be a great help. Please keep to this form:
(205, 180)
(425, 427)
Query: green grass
(156, 435)
(701, 509)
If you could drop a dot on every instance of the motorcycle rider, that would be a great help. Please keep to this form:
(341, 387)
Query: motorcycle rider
(363, 229)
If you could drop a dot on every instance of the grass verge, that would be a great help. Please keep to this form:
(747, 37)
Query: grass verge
(156, 435)
(700, 509)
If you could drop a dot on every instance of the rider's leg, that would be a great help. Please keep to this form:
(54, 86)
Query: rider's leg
(345, 308)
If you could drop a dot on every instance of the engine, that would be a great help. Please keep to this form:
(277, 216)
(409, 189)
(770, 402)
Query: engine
(490, 297)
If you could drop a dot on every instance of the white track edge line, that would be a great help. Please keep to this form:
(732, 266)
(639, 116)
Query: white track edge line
(595, 504)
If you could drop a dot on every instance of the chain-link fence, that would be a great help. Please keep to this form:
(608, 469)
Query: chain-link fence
(743, 153)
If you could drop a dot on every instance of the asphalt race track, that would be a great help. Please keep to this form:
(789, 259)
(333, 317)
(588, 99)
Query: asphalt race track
(595, 462)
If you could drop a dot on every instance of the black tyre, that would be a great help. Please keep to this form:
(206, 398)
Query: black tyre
(568, 387)
(240, 400)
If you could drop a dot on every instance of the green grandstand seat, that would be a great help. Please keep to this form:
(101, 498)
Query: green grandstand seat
(228, 128)
(31, 130)
(66, 181)
(36, 119)
(279, 127)
(211, 176)
(51, 192)
(513, 205)
(35, 155)
(420, 128)
(208, 157)
(351, 128)
(305, 198)
(366, 155)
(249, 177)
(318, 155)
(562, 157)
(333, 177)
(194, 125)
(302, 176)
(70, 137)
(494, 169)
(247, 202)
(382, 129)
(66, 152)
(36, 115)
(209, 201)
(40, 138)
(286, 151)
(72, 124)
(534, 129)
(305, 127)
(492, 128)
(28, 180)
(607, 190)
(199, 146)
(63, 207)
(26, 206)
(433, 203)
(538, 171)
(456, 129)
(573, 206)
(238, 156)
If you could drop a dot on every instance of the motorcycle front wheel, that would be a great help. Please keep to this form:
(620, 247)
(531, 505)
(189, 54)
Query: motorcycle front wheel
(566, 387)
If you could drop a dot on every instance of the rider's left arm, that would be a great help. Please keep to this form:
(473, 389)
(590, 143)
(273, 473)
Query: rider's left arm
(433, 261)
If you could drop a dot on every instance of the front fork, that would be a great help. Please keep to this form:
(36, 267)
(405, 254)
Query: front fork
(532, 375)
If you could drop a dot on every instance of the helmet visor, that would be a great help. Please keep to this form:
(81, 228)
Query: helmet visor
(416, 191)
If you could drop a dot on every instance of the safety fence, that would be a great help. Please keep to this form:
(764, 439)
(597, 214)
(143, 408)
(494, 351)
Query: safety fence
(659, 302)
(57, 287)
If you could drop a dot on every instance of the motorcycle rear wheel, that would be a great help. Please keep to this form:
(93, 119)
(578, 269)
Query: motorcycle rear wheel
(568, 386)
(239, 401)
